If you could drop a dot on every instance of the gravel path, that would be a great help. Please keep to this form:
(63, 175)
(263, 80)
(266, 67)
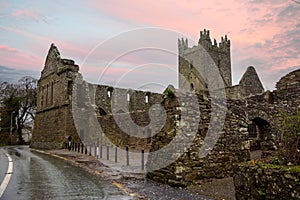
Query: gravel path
(155, 191)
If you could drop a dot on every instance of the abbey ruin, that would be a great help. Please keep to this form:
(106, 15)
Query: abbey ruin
(251, 121)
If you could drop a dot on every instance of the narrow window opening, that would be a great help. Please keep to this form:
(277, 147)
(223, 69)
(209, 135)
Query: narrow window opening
(191, 87)
(47, 95)
(52, 93)
(70, 88)
(147, 98)
(42, 98)
(128, 97)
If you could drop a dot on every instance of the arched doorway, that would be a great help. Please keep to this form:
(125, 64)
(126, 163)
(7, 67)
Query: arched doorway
(102, 112)
(259, 134)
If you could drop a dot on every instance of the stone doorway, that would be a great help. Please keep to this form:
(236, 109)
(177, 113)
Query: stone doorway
(259, 132)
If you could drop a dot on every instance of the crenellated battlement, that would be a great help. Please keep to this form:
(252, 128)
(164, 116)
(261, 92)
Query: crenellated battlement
(182, 44)
(219, 52)
(206, 42)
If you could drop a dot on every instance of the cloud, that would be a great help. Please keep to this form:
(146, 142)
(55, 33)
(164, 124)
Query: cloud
(19, 59)
(11, 74)
(263, 33)
(27, 14)
(40, 43)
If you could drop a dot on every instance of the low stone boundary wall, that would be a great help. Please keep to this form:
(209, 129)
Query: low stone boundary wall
(267, 181)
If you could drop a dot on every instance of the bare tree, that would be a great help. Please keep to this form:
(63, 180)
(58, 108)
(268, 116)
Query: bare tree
(18, 102)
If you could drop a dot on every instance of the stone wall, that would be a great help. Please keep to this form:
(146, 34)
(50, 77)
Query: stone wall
(231, 144)
(266, 181)
(184, 132)
(235, 143)
(69, 106)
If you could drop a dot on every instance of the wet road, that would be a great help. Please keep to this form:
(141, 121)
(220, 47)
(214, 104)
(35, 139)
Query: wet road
(39, 176)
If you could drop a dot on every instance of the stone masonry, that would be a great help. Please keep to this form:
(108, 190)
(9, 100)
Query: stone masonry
(69, 106)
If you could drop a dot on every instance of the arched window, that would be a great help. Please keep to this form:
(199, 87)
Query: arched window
(42, 98)
(109, 92)
(120, 111)
(147, 98)
(191, 87)
(102, 112)
(128, 97)
(47, 91)
(51, 94)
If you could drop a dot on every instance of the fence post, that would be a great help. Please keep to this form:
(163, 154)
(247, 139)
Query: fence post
(72, 146)
(90, 153)
(107, 152)
(127, 155)
(148, 136)
(100, 150)
(95, 150)
(81, 148)
(143, 158)
(78, 147)
(116, 154)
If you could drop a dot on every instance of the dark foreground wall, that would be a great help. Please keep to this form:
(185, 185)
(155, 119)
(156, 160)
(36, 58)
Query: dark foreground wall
(266, 181)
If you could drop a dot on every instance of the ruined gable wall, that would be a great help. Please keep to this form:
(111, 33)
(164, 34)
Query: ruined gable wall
(53, 120)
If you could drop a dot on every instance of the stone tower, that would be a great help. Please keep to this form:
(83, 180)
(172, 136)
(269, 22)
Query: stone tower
(189, 57)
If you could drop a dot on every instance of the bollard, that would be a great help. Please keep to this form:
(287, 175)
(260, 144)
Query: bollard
(143, 159)
(116, 154)
(107, 152)
(100, 150)
(127, 155)
(148, 136)
(90, 153)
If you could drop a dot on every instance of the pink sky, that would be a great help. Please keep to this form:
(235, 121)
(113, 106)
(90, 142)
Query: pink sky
(263, 33)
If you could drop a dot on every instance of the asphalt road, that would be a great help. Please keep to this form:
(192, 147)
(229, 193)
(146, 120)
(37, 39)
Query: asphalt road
(39, 176)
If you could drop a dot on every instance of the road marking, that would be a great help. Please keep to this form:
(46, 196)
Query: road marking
(121, 187)
(8, 174)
